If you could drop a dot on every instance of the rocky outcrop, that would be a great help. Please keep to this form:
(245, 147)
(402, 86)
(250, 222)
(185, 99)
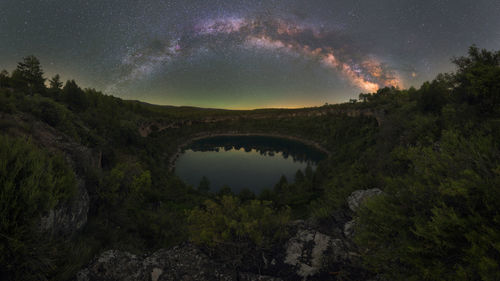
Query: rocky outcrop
(354, 201)
(315, 255)
(184, 262)
(359, 196)
(69, 217)
(148, 127)
(311, 253)
(66, 219)
(305, 251)
(312, 249)
(349, 228)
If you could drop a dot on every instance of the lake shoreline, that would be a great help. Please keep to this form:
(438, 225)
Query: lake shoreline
(200, 136)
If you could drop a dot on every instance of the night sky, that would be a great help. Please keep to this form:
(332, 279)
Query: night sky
(245, 54)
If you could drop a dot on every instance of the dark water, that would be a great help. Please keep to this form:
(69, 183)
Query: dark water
(252, 162)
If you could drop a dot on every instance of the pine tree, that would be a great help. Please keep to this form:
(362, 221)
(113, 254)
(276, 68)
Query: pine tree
(31, 73)
(4, 78)
(204, 185)
(55, 82)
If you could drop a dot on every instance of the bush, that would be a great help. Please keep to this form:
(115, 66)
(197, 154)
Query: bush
(50, 111)
(31, 183)
(237, 231)
(231, 221)
(440, 221)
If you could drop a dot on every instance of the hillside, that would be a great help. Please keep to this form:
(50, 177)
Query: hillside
(410, 190)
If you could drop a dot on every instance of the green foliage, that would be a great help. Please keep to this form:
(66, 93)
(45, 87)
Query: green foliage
(229, 222)
(237, 232)
(4, 79)
(55, 82)
(30, 72)
(74, 96)
(53, 113)
(436, 156)
(140, 214)
(433, 150)
(32, 182)
(439, 221)
(477, 80)
(431, 97)
(204, 185)
(281, 185)
(299, 176)
(246, 194)
(225, 190)
(6, 103)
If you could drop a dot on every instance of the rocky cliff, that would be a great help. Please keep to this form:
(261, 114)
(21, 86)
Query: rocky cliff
(148, 127)
(309, 254)
(69, 217)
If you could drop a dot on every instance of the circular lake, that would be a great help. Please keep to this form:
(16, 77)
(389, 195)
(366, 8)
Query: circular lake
(253, 162)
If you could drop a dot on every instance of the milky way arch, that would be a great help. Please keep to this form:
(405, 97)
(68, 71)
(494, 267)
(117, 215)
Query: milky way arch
(328, 48)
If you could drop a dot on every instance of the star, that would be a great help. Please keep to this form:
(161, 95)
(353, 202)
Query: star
(204, 53)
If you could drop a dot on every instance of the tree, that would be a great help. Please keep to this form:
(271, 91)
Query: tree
(431, 97)
(31, 183)
(299, 176)
(55, 82)
(74, 96)
(204, 185)
(237, 231)
(440, 221)
(31, 74)
(309, 172)
(246, 194)
(4, 78)
(225, 190)
(281, 185)
(477, 79)
(364, 97)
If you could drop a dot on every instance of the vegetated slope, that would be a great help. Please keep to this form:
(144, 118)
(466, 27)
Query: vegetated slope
(434, 151)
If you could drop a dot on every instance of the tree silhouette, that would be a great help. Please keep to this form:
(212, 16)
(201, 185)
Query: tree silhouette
(74, 96)
(477, 79)
(4, 78)
(55, 82)
(204, 185)
(31, 74)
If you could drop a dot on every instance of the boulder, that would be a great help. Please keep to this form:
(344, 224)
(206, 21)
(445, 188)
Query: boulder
(359, 196)
(354, 201)
(68, 218)
(185, 262)
(305, 251)
(349, 228)
(113, 265)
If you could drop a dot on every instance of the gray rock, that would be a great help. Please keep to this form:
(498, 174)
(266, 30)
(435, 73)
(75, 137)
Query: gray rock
(349, 228)
(66, 219)
(306, 251)
(357, 197)
(184, 262)
(113, 265)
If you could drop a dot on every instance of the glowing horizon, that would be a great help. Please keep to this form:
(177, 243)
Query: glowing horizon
(241, 54)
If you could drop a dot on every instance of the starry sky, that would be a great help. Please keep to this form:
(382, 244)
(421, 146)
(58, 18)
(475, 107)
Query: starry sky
(245, 54)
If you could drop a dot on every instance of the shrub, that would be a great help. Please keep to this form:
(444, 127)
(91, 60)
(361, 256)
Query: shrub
(31, 183)
(237, 231)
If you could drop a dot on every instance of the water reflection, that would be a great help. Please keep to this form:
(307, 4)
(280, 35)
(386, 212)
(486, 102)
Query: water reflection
(244, 162)
(264, 145)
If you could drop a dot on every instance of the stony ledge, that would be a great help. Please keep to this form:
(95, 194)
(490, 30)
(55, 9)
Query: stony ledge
(302, 257)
